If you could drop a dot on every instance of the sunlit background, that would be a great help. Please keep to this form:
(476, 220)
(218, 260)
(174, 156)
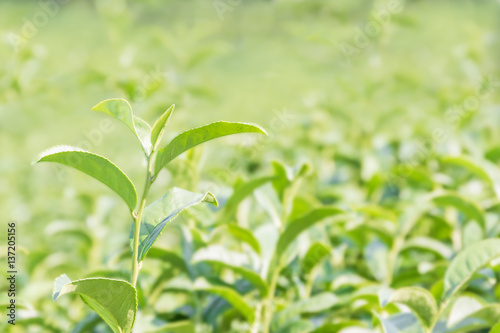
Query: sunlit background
(355, 88)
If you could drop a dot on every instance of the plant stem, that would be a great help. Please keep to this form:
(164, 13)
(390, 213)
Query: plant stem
(268, 302)
(393, 257)
(442, 308)
(137, 224)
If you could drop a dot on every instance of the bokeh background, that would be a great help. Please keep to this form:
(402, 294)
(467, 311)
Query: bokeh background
(336, 83)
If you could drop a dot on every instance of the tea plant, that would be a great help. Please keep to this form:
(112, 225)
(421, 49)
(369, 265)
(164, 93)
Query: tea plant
(116, 300)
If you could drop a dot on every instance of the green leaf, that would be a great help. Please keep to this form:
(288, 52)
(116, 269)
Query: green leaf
(429, 244)
(315, 304)
(168, 256)
(241, 192)
(469, 208)
(377, 212)
(337, 327)
(314, 256)
(244, 235)
(162, 211)
(400, 323)
(230, 295)
(468, 262)
(245, 273)
(295, 227)
(96, 166)
(196, 136)
(472, 314)
(143, 132)
(496, 328)
(420, 301)
(175, 327)
(376, 255)
(114, 300)
(121, 110)
(160, 125)
(483, 168)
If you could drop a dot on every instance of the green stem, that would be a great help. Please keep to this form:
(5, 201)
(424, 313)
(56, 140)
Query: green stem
(136, 265)
(268, 302)
(393, 257)
(442, 308)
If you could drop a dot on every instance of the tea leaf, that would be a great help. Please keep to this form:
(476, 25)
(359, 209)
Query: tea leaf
(483, 168)
(484, 317)
(315, 304)
(176, 327)
(230, 295)
(468, 262)
(294, 228)
(400, 323)
(420, 301)
(244, 235)
(115, 301)
(469, 208)
(429, 244)
(496, 328)
(314, 256)
(96, 166)
(121, 110)
(241, 192)
(168, 256)
(160, 125)
(245, 273)
(162, 211)
(196, 136)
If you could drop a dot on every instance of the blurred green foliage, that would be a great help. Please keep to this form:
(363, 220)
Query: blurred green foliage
(376, 114)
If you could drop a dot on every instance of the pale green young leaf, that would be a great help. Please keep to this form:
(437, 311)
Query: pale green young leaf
(196, 136)
(239, 194)
(295, 227)
(420, 301)
(428, 244)
(168, 256)
(468, 262)
(244, 235)
(143, 132)
(230, 295)
(115, 301)
(162, 211)
(160, 125)
(472, 314)
(184, 326)
(483, 168)
(496, 328)
(376, 254)
(315, 304)
(245, 273)
(96, 166)
(337, 327)
(314, 256)
(121, 110)
(469, 208)
(400, 323)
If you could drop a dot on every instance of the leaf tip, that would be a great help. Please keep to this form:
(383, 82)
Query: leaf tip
(98, 106)
(210, 198)
(59, 283)
(55, 150)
